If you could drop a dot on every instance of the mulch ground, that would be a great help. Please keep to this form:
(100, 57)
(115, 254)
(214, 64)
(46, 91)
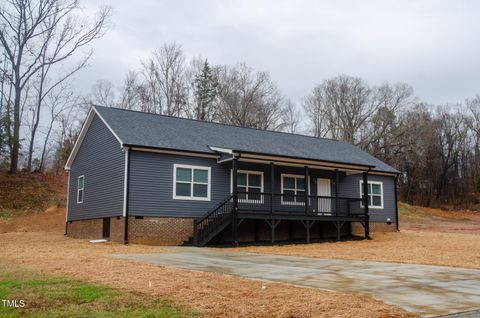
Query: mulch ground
(213, 294)
(37, 241)
(427, 236)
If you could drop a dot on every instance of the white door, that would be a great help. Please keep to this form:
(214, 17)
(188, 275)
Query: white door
(324, 188)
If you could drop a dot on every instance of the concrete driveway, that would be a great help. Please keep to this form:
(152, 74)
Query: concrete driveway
(426, 290)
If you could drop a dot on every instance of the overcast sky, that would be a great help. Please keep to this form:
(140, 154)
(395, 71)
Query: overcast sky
(432, 45)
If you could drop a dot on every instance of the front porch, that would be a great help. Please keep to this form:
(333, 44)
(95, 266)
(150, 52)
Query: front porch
(274, 192)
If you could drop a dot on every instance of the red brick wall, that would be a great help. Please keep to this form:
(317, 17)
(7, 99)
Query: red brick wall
(159, 231)
(117, 229)
(86, 229)
(149, 230)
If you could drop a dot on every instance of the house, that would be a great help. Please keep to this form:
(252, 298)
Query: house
(154, 179)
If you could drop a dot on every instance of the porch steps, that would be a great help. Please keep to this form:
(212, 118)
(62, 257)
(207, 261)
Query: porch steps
(213, 222)
(220, 225)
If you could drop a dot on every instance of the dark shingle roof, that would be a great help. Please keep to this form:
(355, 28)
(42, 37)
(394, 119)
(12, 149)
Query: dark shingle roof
(157, 131)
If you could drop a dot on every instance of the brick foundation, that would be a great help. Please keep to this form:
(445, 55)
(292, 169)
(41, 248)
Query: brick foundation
(117, 229)
(159, 231)
(147, 230)
(86, 229)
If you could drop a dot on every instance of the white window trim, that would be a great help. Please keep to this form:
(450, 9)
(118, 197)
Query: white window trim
(247, 172)
(307, 185)
(191, 197)
(381, 195)
(83, 188)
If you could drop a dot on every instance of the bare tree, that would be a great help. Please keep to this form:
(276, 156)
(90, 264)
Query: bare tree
(248, 98)
(291, 118)
(346, 103)
(24, 24)
(58, 103)
(130, 95)
(103, 93)
(473, 105)
(315, 111)
(164, 88)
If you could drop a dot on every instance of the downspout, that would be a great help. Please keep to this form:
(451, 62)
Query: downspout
(395, 183)
(126, 193)
(66, 210)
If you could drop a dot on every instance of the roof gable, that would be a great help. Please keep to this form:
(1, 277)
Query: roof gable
(83, 132)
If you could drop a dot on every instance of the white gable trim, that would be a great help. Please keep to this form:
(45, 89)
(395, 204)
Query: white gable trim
(222, 150)
(83, 132)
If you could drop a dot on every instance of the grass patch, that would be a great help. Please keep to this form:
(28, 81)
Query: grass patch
(46, 296)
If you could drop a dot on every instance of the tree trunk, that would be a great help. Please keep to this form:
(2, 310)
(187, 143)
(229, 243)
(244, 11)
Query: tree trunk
(16, 126)
(42, 160)
(36, 121)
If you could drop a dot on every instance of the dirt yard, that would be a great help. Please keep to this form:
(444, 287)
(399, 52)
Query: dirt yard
(427, 236)
(212, 294)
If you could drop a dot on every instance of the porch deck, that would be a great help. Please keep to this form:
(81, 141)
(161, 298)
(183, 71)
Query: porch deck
(276, 207)
(294, 203)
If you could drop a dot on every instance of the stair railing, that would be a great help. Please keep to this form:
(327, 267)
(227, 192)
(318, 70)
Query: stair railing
(212, 219)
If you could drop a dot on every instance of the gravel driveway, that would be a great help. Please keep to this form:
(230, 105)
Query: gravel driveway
(424, 289)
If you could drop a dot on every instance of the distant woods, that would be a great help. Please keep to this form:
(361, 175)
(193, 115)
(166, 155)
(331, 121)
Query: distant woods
(168, 84)
(437, 147)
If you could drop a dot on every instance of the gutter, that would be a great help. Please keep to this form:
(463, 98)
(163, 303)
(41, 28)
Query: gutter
(126, 192)
(395, 183)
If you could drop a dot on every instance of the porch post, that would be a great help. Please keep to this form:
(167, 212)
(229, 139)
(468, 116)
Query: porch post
(235, 202)
(395, 182)
(272, 185)
(336, 192)
(365, 204)
(307, 186)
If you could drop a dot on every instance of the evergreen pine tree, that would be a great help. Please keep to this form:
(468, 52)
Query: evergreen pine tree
(206, 90)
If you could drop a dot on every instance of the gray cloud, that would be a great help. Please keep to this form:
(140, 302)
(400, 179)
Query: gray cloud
(432, 45)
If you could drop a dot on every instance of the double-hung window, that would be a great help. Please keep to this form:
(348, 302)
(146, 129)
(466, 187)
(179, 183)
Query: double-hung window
(250, 186)
(191, 182)
(80, 189)
(375, 194)
(293, 189)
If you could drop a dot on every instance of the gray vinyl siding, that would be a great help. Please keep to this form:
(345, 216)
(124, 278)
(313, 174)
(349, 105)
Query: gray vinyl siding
(350, 187)
(101, 160)
(151, 185)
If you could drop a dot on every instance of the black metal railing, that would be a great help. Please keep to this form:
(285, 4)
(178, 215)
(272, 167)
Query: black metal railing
(208, 225)
(265, 202)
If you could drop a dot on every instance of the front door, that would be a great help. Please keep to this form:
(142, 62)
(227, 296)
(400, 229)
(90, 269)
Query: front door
(324, 189)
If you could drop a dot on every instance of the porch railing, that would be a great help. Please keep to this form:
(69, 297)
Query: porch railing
(283, 203)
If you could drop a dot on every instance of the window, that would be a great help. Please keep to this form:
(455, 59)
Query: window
(191, 182)
(375, 194)
(251, 182)
(80, 189)
(293, 189)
